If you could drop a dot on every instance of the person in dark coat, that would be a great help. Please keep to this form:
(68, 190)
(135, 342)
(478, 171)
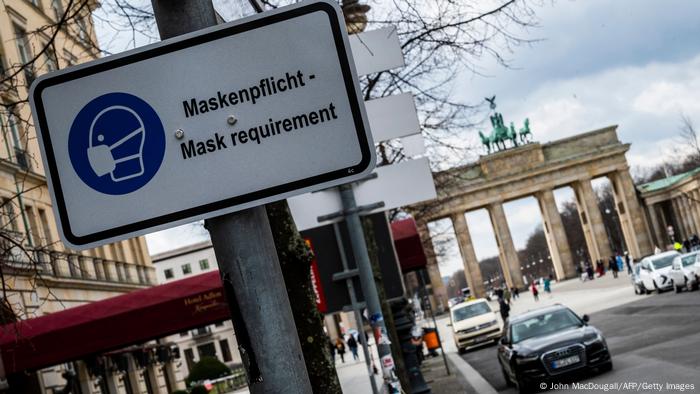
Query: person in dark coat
(612, 266)
(340, 348)
(352, 344)
(505, 309)
(535, 293)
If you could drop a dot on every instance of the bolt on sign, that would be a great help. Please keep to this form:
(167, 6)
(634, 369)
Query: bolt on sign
(204, 124)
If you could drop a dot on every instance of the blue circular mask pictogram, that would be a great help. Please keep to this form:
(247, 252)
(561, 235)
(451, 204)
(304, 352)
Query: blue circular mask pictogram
(116, 143)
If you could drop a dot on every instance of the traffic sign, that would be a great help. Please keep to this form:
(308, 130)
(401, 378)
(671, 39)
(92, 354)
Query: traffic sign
(208, 123)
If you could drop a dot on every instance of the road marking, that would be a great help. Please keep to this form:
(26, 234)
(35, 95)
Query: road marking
(470, 374)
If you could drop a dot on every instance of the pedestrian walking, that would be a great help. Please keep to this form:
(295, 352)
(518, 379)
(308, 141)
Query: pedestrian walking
(506, 295)
(612, 266)
(352, 344)
(515, 291)
(331, 346)
(620, 263)
(505, 309)
(340, 348)
(589, 271)
(628, 261)
(548, 286)
(535, 293)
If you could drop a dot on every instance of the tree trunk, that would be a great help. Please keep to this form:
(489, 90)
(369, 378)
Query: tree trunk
(295, 259)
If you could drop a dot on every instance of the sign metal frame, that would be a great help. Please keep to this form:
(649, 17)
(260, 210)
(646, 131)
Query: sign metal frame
(231, 204)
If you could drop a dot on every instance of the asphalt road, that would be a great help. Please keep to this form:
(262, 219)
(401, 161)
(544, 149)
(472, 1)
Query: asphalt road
(654, 341)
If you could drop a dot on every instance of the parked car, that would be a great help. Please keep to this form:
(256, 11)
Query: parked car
(636, 280)
(474, 323)
(546, 344)
(653, 271)
(682, 272)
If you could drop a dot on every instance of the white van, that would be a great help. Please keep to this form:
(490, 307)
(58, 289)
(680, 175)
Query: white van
(474, 322)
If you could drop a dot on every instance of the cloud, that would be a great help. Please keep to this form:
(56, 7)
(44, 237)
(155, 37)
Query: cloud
(176, 237)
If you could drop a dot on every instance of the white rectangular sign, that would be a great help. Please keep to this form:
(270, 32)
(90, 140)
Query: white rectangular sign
(207, 123)
(376, 50)
(397, 185)
(392, 117)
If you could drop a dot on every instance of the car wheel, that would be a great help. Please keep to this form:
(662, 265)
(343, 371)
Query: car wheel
(645, 290)
(696, 284)
(677, 288)
(522, 387)
(461, 350)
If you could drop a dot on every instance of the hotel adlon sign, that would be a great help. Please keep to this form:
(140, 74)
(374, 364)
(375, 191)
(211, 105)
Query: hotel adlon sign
(208, 123)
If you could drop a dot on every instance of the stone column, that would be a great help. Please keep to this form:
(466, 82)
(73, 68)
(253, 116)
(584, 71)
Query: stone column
(110, 270)
(591, 220)
(690, 212)
(84, 380)
(694, 203)
(657, 229)
(133, 374)
(439, 297)
(562, 259)
(680, 230)
(472, 270)
(153, 381)
(510, 264)
(632, 219)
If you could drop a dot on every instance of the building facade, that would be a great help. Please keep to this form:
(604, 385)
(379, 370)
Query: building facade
(215, 340)
(41, 275)
(672, 207)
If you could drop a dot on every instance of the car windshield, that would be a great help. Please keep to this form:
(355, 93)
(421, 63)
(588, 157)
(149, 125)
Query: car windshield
(470, 311)
(544, 324)
(688, 260)
(664, 261)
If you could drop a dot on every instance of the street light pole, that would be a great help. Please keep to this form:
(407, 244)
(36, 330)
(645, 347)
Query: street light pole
(247, 258)
(369, 288)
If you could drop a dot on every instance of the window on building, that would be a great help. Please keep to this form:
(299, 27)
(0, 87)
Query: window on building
(20, 155)
(3, 65)
(45, 229)
(186, 269)
(51, 59)
(225, 350)
(83, 33)
(8, 221)
(33, 230)
(206, 350)
(168, 273)
(57, 9)
(189, 357)
(25, 54)
(203, 264)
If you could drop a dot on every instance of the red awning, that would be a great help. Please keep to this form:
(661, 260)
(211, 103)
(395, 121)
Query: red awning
(113, 323)
(408, 245)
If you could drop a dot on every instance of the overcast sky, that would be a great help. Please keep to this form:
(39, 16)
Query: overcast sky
(635, 64)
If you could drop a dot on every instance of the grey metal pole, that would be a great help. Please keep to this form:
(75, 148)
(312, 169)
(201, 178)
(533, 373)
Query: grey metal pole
(247, 258)
(245, 251)
(369, 289)
(355, 309)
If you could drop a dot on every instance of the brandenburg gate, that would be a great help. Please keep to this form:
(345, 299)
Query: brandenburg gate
(535, 169)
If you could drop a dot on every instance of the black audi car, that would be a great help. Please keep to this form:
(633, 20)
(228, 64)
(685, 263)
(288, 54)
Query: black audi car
(547, 344)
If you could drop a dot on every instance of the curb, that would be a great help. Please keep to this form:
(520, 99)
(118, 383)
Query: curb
(469, 374)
